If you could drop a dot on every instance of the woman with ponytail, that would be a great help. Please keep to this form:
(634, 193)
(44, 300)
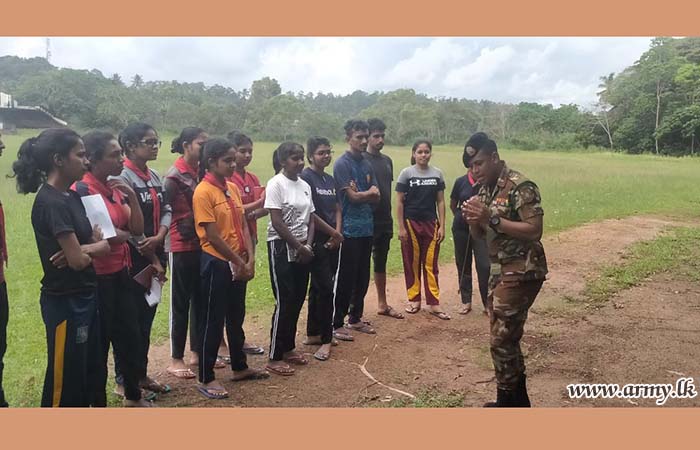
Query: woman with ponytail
(183, 247)
(140, 143)
(227, 263)
(48, 165)
(420, 208)
(252, 196)
(290, 234)
(117, 310)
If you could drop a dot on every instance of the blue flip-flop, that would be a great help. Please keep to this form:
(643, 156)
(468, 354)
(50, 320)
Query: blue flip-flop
(209, 392)
(254, 350)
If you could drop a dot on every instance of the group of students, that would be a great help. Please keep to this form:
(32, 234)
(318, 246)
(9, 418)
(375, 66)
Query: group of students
(200, 220)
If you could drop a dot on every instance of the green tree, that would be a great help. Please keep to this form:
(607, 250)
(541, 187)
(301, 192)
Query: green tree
(602, 109)
(137, 82)
(264, 89)
(117, 80)
(659, 65)
(277, 118)
(13, 70)
(456, 120)
(113, 107)
(680, 127)
(688, 80)
(66, 93)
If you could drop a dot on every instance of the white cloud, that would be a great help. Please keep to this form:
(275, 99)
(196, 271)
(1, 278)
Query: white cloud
(482, 69)
(326, 65)
(425, 66)
(505, 69)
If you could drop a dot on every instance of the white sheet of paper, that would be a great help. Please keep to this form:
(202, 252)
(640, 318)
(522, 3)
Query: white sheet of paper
(153, 297)
(98, 215)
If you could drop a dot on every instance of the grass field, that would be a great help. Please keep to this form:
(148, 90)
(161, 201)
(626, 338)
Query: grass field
(576, 188)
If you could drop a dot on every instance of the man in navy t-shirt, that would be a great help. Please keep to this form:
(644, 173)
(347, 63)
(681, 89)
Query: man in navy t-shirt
(357, 192)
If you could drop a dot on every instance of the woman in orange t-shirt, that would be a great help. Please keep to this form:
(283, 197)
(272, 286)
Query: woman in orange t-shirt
(227, 262)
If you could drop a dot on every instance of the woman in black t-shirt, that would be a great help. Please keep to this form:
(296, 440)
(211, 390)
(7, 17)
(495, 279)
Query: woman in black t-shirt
(50, 163)
(420, 206)
(465, 244)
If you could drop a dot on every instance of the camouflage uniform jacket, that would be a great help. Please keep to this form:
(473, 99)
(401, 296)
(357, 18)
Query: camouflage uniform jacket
(513, 197)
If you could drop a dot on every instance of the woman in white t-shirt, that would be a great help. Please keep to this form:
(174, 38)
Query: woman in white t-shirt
(289, 236)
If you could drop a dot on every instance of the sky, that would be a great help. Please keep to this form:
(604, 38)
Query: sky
(557, 71)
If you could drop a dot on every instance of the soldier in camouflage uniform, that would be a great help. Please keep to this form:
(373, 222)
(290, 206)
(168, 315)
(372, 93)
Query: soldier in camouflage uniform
(507, 210)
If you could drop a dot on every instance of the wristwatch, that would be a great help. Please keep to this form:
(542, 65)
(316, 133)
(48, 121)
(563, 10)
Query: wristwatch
(494, 221)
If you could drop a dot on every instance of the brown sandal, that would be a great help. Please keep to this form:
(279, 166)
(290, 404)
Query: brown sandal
(297, 359)
(390, 312)
(285, 371)
(362, 327)
(440, 315)
(466, 309)
(181, 373)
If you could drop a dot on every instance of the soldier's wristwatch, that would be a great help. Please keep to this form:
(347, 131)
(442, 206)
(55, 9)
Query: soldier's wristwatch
(494, 221)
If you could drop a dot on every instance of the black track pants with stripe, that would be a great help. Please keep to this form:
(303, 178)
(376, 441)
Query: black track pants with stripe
(289, 281)
(73, 344)
(222, 302)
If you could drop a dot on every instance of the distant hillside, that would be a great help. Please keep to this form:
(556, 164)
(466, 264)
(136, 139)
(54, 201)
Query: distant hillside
(652, 106)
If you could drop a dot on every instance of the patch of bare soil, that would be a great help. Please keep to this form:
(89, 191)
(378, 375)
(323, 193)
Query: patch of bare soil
(648, 334)
(652, 339)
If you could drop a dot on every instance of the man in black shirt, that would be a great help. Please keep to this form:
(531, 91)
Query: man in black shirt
(383, 223)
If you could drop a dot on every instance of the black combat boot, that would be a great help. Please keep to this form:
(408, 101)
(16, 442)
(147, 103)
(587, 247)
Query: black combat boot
(504, 399)
(522, 400)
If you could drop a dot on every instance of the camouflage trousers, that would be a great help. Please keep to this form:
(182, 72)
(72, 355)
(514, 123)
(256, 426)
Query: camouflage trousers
(509, 302)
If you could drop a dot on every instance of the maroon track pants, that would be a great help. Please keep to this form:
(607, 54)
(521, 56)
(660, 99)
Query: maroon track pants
(420, 254)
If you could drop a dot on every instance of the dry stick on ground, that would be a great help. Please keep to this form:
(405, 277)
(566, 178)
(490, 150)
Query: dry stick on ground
(363, 369)
(493, 378)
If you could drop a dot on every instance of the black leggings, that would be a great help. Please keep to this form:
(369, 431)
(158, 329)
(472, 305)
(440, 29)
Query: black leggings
(465, 246)
(322, 292)
(185, 289)
(145, 316)
(119, 316)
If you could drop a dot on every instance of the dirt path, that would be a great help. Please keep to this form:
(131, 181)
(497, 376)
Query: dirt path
(652, 339)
